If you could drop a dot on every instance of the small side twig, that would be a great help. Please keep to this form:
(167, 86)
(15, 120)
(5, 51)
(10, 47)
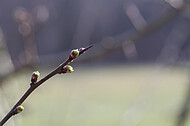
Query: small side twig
(17, 108)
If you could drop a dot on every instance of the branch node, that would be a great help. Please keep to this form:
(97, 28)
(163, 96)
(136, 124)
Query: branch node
(66, 69)
(18, 109)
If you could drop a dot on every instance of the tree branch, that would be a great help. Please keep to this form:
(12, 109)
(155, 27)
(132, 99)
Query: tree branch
(33, 86)
(125, 37)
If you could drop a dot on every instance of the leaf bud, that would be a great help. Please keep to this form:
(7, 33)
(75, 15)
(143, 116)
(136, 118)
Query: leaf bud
(74, 53)
(18, 109)
(35, 76)
(67, 69)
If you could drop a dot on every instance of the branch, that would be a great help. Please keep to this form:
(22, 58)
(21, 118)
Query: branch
(62, 68)
(127, 37)
(184, 112)
(134, 36)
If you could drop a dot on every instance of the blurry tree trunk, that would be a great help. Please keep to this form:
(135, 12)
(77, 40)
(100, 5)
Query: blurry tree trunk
(184, 112)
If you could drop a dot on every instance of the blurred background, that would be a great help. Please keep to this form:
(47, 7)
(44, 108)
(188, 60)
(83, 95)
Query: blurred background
(137, 74)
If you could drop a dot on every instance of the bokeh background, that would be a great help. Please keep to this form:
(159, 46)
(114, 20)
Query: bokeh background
(137, 74)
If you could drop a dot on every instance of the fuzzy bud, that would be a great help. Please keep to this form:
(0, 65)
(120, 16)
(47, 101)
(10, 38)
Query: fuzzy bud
(74, 53)
(35, 76)
(18, 109)
(67, 69)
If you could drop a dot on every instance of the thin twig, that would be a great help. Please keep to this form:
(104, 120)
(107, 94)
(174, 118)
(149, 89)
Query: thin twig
(34, 86)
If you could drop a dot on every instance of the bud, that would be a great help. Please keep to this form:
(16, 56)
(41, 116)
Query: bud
(81, 49)
(74, 53)
(67, 69)
(18, 109)
(35, 76)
